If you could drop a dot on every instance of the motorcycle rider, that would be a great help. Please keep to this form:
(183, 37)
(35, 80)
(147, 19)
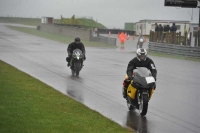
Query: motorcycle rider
(141, 60)
(142, 39)
(77, 44)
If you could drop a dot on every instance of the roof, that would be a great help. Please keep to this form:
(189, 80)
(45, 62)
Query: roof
(163, 21)
(47, 17)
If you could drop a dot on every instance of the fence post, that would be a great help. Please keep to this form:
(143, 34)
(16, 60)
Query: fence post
(198, 39)
(185, 38)
(158, 38)
(196, 36)
(170, 38)
(155, 36)
(167, 37)
(173, 37)
(179, 38)
(189, 40)
(150, 34)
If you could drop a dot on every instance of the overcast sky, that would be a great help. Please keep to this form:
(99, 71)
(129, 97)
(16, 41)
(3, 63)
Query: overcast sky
(111, 13)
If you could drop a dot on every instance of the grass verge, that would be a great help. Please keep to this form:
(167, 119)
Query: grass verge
(25, 21)
(59, 38)
(30, 106)
(88, 23)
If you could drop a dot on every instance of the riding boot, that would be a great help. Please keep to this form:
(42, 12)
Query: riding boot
(125, 92)
(68, 64)
(68, 61)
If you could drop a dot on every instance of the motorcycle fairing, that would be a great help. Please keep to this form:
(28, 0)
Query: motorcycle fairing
(77, 54)
(131, 91)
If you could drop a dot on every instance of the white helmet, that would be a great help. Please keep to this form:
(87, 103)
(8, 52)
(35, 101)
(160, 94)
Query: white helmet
(141, 40)
(141, 54)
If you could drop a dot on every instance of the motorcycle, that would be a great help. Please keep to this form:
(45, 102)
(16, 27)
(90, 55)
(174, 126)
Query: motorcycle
(140, 42)
(139, 90)
(76, 62)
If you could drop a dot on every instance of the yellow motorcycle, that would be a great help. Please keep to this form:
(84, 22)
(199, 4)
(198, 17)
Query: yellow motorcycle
(139, 90)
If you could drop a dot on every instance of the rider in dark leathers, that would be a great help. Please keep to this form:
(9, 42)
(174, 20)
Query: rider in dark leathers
(77, 44)
(140, 61)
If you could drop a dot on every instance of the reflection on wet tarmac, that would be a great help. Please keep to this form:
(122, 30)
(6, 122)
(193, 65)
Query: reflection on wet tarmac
(74, 89)
(138, 123)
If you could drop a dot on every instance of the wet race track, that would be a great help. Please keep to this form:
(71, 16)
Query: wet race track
(174, 107)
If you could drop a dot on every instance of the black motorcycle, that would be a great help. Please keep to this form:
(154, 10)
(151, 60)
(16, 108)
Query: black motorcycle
(140, 90)
(76, 62)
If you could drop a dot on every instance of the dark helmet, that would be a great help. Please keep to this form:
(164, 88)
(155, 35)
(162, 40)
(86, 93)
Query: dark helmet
(141, 54)
(77, 39)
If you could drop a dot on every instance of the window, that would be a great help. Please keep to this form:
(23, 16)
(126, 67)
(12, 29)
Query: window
(195, 33)
(195, 28)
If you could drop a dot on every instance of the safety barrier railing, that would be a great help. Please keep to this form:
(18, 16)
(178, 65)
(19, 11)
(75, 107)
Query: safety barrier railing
(174, 49)
(103, 39)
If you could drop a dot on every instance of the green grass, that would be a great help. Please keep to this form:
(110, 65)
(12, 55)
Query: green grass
(174, 56)
(30, 106)
(88, 23)
(25, 21)
(59, 38)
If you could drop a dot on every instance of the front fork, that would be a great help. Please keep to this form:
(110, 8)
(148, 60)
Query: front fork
(72, 63)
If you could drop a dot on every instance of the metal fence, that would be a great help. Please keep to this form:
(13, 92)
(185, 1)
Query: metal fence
(175, 49)
(103, 39)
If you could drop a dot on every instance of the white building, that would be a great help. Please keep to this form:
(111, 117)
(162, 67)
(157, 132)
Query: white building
(144, 26)
(47, 20)
(193, 29)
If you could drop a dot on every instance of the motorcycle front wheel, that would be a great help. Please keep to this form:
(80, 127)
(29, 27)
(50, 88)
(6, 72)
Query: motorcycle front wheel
(143, 104)
(77, 68)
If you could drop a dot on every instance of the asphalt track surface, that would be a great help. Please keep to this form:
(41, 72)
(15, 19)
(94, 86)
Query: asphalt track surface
(174, 107)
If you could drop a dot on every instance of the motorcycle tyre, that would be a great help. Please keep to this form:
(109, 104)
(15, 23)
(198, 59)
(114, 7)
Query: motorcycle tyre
(72, 72)
(77, 68)
(144, 106)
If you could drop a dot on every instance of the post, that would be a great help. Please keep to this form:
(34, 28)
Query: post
(199, 30)
(167, 37)
(153, 36)
(176, 42)
(196, 37)
(185, 38)
(179, 38)
(150, 35)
